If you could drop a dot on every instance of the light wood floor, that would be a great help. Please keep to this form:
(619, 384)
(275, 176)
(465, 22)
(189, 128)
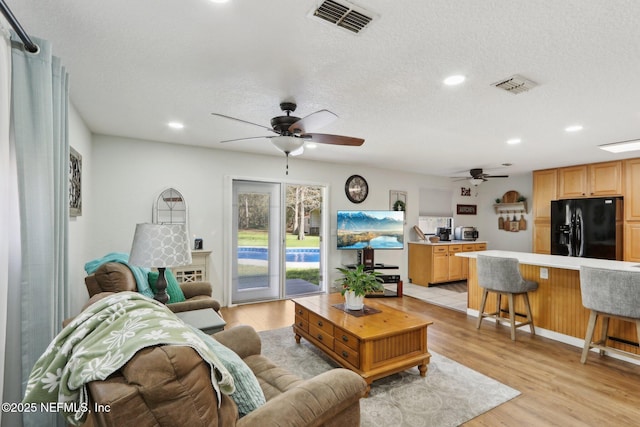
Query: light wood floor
(556, 389)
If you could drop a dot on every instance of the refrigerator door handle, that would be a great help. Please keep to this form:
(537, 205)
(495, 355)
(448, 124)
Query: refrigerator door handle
(579, 248)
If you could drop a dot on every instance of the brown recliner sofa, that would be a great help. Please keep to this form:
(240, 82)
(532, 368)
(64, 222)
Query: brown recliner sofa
(170, 386)
(117, 277)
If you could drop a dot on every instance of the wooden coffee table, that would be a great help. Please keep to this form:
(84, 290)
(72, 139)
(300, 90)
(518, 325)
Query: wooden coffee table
(373, 345)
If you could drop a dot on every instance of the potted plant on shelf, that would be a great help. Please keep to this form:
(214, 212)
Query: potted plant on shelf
(356, 283)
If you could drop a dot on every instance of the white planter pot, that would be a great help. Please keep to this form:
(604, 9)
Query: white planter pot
(353, 301)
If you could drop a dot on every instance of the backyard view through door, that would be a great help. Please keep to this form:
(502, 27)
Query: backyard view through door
(276, 236)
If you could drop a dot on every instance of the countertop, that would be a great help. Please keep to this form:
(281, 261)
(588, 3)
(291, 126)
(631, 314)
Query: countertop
(557, 261)
(448, 242)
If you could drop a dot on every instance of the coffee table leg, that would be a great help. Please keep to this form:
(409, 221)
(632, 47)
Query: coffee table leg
(367, 390)
(423, 369)
(298, 339)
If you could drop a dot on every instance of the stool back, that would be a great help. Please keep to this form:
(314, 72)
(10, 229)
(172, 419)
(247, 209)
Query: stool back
(500, 274)
(613, 292)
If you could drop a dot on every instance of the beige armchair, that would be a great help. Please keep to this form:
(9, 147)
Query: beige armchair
(117, 277)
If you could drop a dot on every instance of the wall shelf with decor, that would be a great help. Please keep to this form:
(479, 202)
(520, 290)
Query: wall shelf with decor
(517, 207)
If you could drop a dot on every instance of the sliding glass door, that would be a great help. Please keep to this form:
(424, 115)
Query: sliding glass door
(276, 239)
(256, 240)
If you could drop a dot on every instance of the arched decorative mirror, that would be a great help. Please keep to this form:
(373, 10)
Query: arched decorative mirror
(170, 208)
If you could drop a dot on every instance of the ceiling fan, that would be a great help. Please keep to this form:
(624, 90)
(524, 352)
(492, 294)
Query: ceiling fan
(291, 133)
(477, 176)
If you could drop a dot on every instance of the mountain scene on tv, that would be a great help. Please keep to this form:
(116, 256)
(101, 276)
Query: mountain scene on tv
(377, 229)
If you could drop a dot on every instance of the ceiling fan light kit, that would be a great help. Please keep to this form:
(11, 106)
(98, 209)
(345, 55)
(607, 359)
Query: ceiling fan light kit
(289, 145)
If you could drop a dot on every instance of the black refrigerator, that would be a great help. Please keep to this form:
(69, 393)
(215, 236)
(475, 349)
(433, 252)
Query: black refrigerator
(589, 228)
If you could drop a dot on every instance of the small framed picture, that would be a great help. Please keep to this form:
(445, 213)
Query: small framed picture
(467, 209)
(75, 183)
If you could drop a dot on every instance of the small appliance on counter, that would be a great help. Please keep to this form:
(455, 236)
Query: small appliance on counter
(443, 233)
(465, 233)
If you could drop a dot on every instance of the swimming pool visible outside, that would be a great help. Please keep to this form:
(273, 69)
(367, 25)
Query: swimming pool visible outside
(292, 255)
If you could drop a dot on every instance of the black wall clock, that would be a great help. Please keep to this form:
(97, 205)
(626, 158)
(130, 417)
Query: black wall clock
(356, 188)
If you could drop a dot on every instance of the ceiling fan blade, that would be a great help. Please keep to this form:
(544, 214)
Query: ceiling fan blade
(324, 138)
(244, 121)
(242, 139)
(313, 121)
(496, 176)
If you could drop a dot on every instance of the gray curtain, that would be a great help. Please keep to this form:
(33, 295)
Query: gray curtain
(39, 104)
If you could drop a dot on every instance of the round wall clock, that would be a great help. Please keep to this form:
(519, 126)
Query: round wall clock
(356, 188)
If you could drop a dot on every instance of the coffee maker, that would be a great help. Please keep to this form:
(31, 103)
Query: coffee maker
(444, 233)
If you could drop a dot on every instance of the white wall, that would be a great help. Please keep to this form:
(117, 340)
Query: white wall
(486, 220)
(79, 227)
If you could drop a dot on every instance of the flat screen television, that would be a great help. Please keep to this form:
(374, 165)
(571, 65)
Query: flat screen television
(377, 229)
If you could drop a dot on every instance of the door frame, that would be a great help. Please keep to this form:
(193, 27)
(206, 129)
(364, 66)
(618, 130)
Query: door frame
(227, 233)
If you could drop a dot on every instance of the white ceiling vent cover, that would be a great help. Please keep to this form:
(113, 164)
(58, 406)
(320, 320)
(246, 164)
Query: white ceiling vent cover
(515, 84)
(343, 14)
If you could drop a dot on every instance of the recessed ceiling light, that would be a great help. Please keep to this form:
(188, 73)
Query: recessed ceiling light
(454, 80)
(175, 125)
(573, 128)
(621, 147)
(514, 141)
(218, 1)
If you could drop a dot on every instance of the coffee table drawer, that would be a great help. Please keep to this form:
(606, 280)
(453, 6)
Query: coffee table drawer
(347, 339)
(302, 312)
(321, 337)
(321, 323)
(302, 324)
(347, 353)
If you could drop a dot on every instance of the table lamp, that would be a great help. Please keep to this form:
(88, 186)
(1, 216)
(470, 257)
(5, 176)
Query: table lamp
(160, 246)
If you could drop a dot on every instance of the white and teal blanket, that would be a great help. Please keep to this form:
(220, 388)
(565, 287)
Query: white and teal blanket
(105, 337)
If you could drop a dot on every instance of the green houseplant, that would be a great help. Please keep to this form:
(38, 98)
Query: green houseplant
(356, 283)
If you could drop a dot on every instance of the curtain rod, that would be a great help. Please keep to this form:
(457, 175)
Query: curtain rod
(28, 44)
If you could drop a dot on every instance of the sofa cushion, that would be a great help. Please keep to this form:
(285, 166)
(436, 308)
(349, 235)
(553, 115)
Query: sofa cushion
(273, 380)
(173, 287)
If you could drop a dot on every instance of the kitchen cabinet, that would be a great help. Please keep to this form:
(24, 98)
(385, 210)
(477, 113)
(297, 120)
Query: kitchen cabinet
(593, 180)
(632, 241)
(545, 184)
(545, 187)
(438, 263)
(632, 190)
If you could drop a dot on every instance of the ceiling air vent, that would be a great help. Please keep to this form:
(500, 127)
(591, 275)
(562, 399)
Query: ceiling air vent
(343, 14)
(515, 84)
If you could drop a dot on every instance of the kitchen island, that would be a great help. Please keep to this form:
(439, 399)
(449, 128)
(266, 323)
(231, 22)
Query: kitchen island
(557, 307)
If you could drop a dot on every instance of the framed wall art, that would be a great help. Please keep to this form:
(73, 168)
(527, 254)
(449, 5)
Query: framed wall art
(467, 209)
(75, 183)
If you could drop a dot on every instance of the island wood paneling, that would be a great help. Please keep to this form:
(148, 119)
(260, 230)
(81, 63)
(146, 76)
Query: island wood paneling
(556, 305)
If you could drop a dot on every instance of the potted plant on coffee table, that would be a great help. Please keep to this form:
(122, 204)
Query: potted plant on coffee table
(356, 283)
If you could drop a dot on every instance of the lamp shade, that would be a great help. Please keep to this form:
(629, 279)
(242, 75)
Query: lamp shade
(160, 245)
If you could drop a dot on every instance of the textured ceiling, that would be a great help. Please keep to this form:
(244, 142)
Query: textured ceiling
(136, 65)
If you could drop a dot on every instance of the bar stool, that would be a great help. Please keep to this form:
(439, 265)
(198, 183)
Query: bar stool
(609, 293)
(502, 276)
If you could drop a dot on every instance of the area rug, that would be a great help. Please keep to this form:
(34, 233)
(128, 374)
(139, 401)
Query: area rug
(449, 395)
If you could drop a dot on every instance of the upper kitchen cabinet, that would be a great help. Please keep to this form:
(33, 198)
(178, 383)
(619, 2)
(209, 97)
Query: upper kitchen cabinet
(632, 190)
(545, 183)
(594, 180)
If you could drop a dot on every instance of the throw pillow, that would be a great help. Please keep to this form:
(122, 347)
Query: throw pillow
(173, 287)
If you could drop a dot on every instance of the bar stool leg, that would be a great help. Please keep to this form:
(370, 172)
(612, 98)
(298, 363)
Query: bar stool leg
(498, 308)
(604, 332)
(512, 317)
(587, 340)
(529, 314)
(482, 304)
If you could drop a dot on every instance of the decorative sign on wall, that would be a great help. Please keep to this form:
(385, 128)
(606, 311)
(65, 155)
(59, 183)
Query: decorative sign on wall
(465, 191)
(467, 209)
(75, 183)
